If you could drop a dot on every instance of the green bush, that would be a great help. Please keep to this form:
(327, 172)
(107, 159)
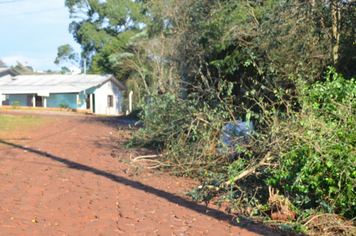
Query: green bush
(318, 163)
(15, 104)
(303, 144)
(63, 105)
(186, 131)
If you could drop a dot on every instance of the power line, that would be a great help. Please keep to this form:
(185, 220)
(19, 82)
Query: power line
(34, 12)
(12, 1)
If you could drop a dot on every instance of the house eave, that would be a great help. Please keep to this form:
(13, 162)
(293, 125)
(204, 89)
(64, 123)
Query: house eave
(115, 81)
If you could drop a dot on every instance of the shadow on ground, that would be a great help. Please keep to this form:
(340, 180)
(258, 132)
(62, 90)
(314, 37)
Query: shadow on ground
(219, 215)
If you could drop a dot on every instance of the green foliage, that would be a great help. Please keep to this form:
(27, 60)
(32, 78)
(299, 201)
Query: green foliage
(318, 163)
(312, 141)
(64, 70)
(15, 104)
(63, 105)
(65, 53)
(104, 30)
(187, 131)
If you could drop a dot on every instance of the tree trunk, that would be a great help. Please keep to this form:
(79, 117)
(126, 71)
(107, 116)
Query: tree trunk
(335, 20)
(184, 80)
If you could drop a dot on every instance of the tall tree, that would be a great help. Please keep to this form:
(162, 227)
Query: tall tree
(65, 53)
(101, 28)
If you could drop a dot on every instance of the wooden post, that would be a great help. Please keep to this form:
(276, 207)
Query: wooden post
(91, 102)
(77, 101)
(33, 100)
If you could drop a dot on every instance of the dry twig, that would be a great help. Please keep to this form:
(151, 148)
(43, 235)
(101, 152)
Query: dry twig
(242, 175)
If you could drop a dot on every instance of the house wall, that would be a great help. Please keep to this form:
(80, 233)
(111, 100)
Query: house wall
(52, 101)
(101, 99)
(81, 105)
(5, 99)
(22, 98)
(100, 95)
(55, 99)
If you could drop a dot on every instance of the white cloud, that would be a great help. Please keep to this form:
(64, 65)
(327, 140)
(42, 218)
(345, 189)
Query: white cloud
(33, 34)
(37, 64)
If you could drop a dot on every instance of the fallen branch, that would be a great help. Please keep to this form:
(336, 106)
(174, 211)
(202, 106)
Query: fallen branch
(322, 215)
(339, 227)
(148, 156)
(240, 176)
(246, 172)
(333, 101)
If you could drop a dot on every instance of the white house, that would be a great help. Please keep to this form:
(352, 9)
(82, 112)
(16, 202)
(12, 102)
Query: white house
(103, 92)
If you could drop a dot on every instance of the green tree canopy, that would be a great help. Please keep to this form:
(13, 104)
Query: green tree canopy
(101, 28)
(65, 53)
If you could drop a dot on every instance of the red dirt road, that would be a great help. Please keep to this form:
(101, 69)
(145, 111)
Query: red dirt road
(61, 179)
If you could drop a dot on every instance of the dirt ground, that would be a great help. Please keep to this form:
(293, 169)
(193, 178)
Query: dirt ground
(62, 179)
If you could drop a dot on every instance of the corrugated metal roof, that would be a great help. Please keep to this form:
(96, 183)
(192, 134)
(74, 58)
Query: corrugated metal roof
(6, 70)
(3, 69)
(25, 84)
(5, 79)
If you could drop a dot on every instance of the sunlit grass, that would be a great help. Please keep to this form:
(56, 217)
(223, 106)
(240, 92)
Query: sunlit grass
(15, 126)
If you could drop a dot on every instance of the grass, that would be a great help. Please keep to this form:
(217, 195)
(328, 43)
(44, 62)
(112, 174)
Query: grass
(6, 174)
(10, 125)
(56, 109)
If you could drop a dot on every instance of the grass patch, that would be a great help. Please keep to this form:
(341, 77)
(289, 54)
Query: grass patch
(10, 125)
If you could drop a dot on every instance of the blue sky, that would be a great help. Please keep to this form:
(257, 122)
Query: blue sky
(32, 30)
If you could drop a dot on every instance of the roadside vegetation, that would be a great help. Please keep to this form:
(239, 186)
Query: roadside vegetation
(195, 66)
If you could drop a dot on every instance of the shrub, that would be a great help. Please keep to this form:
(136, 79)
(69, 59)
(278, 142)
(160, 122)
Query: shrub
(317, 164)
(63, 105)
(15, 104)
(186, 131)
(303, 144)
